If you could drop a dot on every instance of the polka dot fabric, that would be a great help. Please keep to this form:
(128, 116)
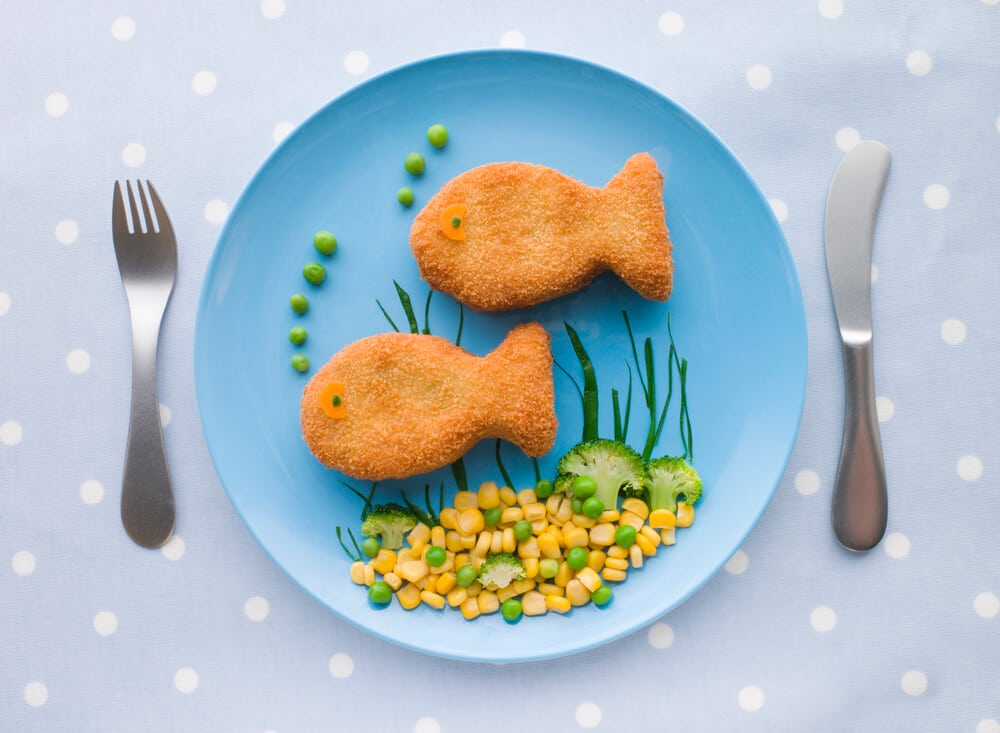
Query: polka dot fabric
(206, 633)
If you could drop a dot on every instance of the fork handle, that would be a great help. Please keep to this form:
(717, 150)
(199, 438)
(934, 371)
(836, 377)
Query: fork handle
(147, 497)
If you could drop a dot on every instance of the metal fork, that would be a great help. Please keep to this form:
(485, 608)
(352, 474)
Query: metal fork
(147, 261)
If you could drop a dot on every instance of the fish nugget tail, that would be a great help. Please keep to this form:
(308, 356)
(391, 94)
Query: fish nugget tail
(521, 394)
(640, 250)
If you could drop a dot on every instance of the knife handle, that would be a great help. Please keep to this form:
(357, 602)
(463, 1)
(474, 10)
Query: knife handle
(860, 504)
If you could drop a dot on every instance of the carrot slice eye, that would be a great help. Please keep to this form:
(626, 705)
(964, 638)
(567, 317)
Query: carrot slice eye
(331, 399)
(452, 222)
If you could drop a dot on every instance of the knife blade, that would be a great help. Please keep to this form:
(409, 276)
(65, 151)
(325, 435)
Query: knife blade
(860, 501)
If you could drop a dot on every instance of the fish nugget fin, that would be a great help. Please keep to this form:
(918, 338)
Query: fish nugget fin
(521, 394)
(640, 253)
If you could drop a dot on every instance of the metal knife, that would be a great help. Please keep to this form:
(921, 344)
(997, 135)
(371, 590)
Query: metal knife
(860, 503)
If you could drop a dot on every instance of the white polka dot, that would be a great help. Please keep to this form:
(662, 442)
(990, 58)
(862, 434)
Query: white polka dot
(513, 39)
(67, 231)
(897, 545)
(987, 605)
(660, 636)
(165, 415)
(56, 104)
(356, 62)
(23, 563)
(272, 9)
(780, 209)
(759, 77)
(936, 196)
(123, 28)
(970, 468)
(588, 715)
(751, 698)
(953, 332)
(988, 725)
(738, 563)
(846, 138)
(427, 725)
(216, 211)
(4, 303)
(256, 608)
(823, 618)
(671, 23)
(807, 482)
(874, 273)
(281, 131)
(913, 683)
(91, 491)
(885, 409)
(134, 155)
(919, 63)
(78, 361)
(174, 548)
(203, 83)
(186, 680)
(11, 433)
(105, 623)
(35, 694)
(341, 666)
(831, 9)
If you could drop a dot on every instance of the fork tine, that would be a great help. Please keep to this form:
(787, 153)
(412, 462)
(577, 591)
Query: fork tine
(147, 212)
(136, 228)
(119, 224)
(161, 214)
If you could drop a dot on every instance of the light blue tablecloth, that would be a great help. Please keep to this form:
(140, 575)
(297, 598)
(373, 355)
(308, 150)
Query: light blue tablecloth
(208, 635)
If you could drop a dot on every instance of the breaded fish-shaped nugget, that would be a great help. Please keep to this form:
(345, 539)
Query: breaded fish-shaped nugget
(398, 404)
(511, 235)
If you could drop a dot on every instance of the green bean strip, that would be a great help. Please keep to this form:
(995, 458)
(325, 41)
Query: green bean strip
(427, 314)
(354, 542)
(441, 499)
(616, 410)
(685, 421)
(366, 499)
(340, 539)
(571, 379)
(427, 500)
(458, 469)
(404, 300)
(461, 322)
(384, 313)
(421, 514)
(503, 471)
(647, 450)
(538, 473)
(635, 355)
(670, 391)
(590, 398)
(628, 404)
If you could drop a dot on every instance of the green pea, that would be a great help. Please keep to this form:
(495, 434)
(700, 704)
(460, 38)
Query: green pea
(577, 558)
(314, 272)
(602, 596)
(437, 135)
(576, 505)
(548, 568)
(299, 303)
(593, 507)
(492, 516)
(511, 609)
(584, 486)
(522, 530)
(414, 163)
(405, 196)
(466, 576)
(300, 363)
(325, 242)
(543, 489)
(380, 593)
(297, 335)
(456, 222)
(436, 556)
(625, 535)
(370, 546)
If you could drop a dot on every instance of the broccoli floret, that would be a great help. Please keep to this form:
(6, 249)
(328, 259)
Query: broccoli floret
(389, 522)
(501, 570)
(671, 479)
(614, 467)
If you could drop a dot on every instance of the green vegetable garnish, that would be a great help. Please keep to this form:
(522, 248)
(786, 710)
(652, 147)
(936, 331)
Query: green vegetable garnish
(370, 547)
(671, 479)
(299, 303)
(314, 272)
(589, 395)
(380, 593)
(437, 135)
(297, 335)
(522, 531)
(405, 196)
(602, 596)
(336, 400)
(501, 570)
(456, 222)
(548, 568)
(325, 242)
(625, 536)
(593, 507)
(543, 489)
(414, 164)
(436, 556)
(300, 362)
(511, 609)
(584, 487)
(577, 558)
(492, 516)
(466, 576)
(613, 466)
(389, 522)
(576, 505)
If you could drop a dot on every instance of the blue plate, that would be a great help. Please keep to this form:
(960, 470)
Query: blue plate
(736, 312)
